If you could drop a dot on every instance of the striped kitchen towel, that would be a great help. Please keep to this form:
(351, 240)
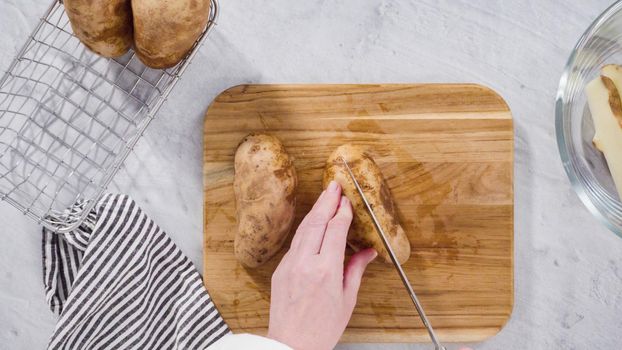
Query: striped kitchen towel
(119, 282)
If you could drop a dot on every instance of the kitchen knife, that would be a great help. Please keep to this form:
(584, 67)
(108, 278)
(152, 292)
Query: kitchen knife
(387, 246)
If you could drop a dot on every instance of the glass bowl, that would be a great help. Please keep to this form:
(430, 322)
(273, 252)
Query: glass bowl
(586, 166)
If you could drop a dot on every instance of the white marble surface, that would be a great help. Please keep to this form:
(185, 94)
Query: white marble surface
(568, 268)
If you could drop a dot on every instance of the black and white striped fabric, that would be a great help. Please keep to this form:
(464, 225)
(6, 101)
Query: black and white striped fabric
(119, 282)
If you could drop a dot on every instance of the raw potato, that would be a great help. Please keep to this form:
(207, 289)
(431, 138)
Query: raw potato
(104, 26)
(363, 233)
(165, 31)
(264, 185)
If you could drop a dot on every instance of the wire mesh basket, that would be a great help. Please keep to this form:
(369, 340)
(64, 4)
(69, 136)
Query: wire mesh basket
(69, 118)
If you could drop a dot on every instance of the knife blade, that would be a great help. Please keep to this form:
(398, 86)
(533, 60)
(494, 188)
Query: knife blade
(387, 246)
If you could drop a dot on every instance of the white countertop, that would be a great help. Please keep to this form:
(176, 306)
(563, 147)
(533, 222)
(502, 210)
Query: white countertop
(568, 267)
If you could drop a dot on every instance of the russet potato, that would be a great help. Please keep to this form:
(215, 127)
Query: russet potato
(104, 26)
(265, 197)
(363, 233)
(165, 31)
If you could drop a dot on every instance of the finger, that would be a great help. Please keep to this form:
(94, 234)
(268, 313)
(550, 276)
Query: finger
(296, 241)
(334, 243)
(354, 274)
(312, 228)
(298, 235)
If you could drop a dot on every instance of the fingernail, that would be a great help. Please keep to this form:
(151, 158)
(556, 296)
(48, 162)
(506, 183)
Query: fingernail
(333, 186)
(344, 201)
(375, 254)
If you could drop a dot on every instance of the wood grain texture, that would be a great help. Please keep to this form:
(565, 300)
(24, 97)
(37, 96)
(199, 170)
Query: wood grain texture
(446, 152)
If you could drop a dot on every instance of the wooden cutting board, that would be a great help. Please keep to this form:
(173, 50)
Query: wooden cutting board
(446, 152)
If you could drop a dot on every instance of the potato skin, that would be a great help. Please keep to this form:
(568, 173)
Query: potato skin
(103, 26)
(164, 31)
(363, 233)
(264, 185)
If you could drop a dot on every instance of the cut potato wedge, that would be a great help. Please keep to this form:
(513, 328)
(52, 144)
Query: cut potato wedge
(606, 108)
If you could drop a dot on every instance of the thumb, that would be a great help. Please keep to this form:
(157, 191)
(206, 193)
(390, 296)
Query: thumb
(354, 273)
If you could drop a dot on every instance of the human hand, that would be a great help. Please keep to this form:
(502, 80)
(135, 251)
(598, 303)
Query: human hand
(313, 296)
